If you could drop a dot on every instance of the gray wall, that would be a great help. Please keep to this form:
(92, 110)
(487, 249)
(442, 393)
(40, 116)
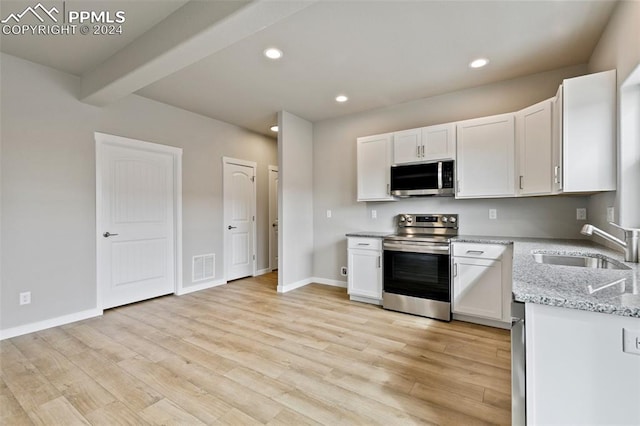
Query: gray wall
(619, 48)
(48, 185)
(295, 218)
(334, 188)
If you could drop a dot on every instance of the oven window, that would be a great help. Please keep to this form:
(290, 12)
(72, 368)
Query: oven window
(417, 274)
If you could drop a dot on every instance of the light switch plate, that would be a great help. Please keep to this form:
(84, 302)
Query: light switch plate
(328, 214)
(631, 341)
(581, 214)
(374, 214)
(493, 214)
(611, 213)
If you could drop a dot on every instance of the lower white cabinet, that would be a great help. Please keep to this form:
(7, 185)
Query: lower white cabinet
(364, 283)
(576, 369)
(482, 283)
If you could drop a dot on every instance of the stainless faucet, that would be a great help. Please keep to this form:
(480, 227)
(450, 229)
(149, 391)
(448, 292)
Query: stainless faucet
(630, 243)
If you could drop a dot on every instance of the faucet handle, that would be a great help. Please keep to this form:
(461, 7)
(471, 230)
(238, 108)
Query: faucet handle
(633, 230)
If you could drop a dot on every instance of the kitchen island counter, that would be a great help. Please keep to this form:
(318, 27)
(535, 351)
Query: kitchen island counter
(610, 291)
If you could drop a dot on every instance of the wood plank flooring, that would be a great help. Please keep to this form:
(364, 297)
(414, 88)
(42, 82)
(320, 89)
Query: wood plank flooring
(241, 354)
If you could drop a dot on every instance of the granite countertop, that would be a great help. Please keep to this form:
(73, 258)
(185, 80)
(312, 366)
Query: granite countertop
(569, 286)
(368, 234)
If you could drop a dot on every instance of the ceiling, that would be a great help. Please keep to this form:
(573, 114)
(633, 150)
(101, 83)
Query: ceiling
(379, 53)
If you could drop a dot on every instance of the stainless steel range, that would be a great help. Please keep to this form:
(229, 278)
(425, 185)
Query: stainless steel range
(417, 265)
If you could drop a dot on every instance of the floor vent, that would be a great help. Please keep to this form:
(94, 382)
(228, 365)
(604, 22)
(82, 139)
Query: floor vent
(204, 267)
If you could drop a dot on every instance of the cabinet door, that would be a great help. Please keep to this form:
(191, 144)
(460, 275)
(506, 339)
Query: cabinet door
(373, 168)
(407, 146)
(365, 273)
(589, 133)
(477, 287)
(533, 126)
(485, 157)
(556, 144)
(439, 142)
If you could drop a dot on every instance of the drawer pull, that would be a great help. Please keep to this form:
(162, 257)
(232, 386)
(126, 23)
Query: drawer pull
(364, 244)
(475, 252)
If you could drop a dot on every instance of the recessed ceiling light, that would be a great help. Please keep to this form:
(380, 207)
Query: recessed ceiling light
(273, 53)
(274, 129)
(341, 98)
(479, 63)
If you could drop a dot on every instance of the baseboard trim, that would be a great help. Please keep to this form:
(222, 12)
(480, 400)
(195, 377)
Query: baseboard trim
(292, 286)
(327, 281)
(201, 286)
(49, 323)
(262, 271)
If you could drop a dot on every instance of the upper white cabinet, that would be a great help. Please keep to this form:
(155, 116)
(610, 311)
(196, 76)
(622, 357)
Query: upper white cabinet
(425, 144)
(556, 142)
(439, 142)
(374, 155)
(534, 148)
(407, 146)
(589, 133)
(486, 157)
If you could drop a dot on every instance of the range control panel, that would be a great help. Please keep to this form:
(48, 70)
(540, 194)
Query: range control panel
(428, 220)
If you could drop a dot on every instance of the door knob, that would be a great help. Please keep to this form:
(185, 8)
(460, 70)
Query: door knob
(231, 227)
(108, 234)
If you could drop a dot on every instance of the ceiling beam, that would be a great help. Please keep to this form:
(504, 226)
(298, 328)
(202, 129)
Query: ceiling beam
(195, 31)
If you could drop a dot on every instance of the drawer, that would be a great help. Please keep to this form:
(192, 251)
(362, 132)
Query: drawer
(480, 251)
(365, 243)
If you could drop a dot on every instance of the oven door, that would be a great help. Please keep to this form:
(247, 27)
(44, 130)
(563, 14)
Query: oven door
(421, 275)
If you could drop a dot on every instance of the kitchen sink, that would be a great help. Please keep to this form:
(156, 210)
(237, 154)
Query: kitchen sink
(581, 260)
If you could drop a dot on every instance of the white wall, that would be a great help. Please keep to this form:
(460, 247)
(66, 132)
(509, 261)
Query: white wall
(48, 185)
(334, 188)
(619, 48)
(295, 233)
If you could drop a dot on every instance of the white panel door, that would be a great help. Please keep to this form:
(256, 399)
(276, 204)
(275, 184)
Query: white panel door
(273, 218)
(136, 238)
(239, 207)
(374, 167)
(407, 146)
(477, 287)
(439, 142)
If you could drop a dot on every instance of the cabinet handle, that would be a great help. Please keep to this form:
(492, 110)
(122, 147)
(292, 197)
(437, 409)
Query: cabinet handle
(475, 252)
(423, 150)
(388, 189)
(457, 186)
(417, 150)
(379, 262)
(556, 173)
(521, 177)
(363, 244)
(455, 269)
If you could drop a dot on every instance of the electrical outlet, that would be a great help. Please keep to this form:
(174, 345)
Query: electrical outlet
(581, 214)
(343, 271)
(328, 214)
(631, 341)
(611, 213)
(374, 214)
(493, 214)
(25, 298)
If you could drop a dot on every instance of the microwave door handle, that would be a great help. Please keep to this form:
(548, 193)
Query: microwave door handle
(439, 174)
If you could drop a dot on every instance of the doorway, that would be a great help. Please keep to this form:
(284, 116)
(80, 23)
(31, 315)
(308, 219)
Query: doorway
(138, 220)
(239, 200)
(273, 218)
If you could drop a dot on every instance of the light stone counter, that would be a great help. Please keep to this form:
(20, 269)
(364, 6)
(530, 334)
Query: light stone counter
(368, 234)
(569, 286)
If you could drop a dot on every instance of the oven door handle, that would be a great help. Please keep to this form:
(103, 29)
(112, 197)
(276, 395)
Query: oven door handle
(417, 248)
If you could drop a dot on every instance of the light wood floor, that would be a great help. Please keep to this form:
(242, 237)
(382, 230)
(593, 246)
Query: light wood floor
(242, 354)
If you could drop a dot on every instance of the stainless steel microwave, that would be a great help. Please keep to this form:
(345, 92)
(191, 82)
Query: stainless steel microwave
(436, 178)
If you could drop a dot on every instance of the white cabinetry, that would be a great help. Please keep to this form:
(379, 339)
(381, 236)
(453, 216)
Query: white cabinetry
(439, 142)
(589, 133)
(534, 147)
(364, 282)
(577, 372)
(556, 141)
(373, 168)
(426, 144)
(482, 283)
(407, 146)
(486, 157)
